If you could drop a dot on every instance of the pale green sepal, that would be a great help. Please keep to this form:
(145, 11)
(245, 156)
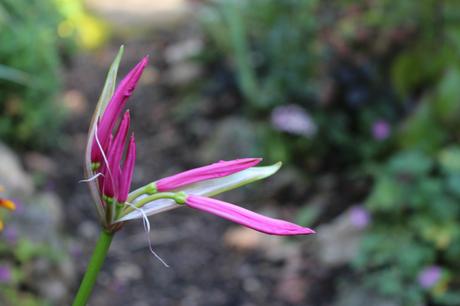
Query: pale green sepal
(106, 95)
(110, 83)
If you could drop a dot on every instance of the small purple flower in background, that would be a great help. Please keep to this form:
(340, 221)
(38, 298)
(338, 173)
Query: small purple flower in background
(429, 276)
(293, 119)
(381, 129)
(359, 217)
(5, 274)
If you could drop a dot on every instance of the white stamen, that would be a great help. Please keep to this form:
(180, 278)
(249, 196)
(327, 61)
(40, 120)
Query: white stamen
(91, 178)
(104, 157)
(146, 224)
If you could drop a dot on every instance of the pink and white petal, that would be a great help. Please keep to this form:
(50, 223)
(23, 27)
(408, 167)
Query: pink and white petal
(219, 185)
(246, 217)
(212, 171)
(206, 188)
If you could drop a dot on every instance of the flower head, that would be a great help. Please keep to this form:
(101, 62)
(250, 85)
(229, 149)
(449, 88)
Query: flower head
(381, 130)
(359, 217)
(109, 174)
(429, 276)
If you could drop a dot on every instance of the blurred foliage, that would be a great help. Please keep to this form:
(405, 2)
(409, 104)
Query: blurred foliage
(380, 79)
(286, 52)
(19, 258)
(89, 31)
(259, 34)
(29, 81)
(36, 36)
(415, 212)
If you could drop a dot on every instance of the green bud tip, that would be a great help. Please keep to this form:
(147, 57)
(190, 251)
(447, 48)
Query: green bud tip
(151, 188)
(180, 198)
(95, 166)
(108, 200)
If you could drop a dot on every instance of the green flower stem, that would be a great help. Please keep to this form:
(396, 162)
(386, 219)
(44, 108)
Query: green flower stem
(147, 189)
(94, 266)
(148, 199)
(136, 193)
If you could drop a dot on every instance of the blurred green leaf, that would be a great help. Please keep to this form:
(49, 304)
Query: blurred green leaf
(410, 162)
(13, 75)
(447, 97)
(421, 130)
(449, 159)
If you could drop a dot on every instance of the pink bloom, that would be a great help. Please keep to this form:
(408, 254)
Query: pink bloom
(109, 171)
(114, 108)
(5, 274)
(216, 170)
(429, 276)
(359, 217)
(381, 130)
(246, 217)
(107, 150)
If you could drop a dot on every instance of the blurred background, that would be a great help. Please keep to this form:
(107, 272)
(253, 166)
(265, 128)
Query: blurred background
(360, 99)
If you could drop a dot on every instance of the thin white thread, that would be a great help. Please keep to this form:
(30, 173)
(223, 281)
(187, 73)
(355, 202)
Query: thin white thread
(102, 151)
(104, 157)
(146, 223)
(91, 178)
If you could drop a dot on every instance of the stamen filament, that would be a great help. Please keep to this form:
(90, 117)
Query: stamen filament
(149, 189)
(148, 199)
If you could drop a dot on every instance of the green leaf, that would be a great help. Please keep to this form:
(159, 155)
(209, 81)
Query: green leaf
(411, 162)
(13, 75)
(449, 159)
(421, 130)
(447, 98)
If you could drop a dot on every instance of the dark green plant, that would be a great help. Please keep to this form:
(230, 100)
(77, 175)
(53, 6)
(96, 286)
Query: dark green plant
(270, 43)
(415, 213)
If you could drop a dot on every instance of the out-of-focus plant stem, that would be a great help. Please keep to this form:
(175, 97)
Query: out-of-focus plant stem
(246, 76)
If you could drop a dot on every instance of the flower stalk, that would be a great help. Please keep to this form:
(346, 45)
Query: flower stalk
(94, 266)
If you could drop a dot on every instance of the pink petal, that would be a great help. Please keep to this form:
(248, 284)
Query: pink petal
(116, 152)
(112, 171)
(216, 170)
(127, 172)
(246, 217)
(115, 106)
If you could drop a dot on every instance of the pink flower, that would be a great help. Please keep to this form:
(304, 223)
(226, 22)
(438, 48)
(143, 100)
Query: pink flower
(381, 130)
(429, 276)
(5, 274)
(110, 175)
(359, 217)
(113, 110)
(246, 217)
(216, 170)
